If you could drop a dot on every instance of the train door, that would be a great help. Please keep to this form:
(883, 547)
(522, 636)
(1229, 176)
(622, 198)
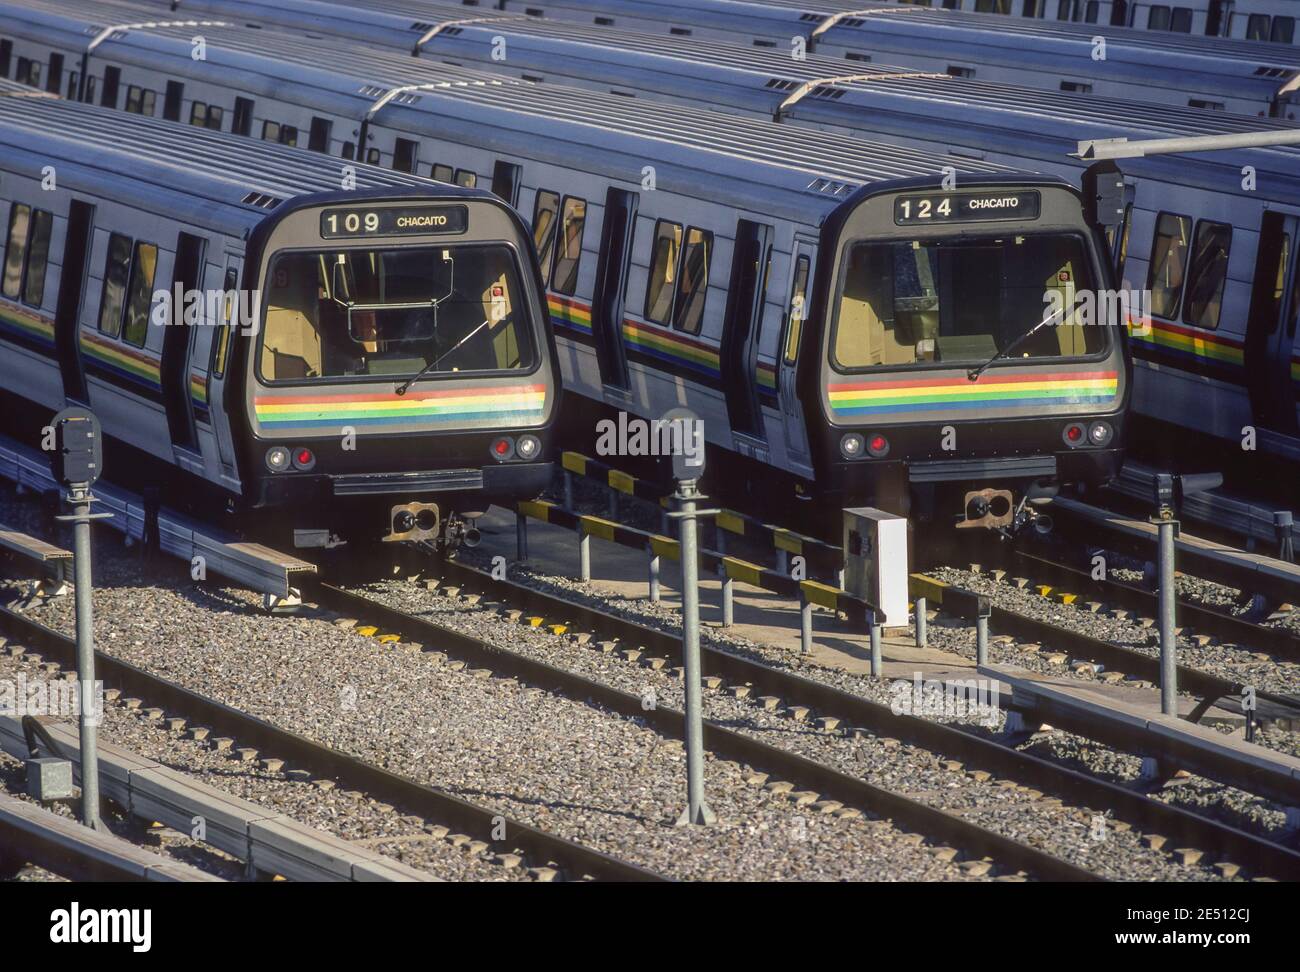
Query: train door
(611, 286)
(72, 285)
(187, 277)
(792, 339)
(746, 292)
(1271, 355)
(223, 341)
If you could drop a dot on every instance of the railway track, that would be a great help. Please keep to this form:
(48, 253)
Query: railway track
(1253, 853)
(540, 848)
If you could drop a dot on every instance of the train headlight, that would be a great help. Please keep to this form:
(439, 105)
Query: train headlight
(503, 449)
(1100, 434)
(277, 459)
(877, 446)
(1074, 435)
(852, 446)
(528, 447)
(303, 459)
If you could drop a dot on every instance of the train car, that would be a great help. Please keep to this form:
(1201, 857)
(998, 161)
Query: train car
(369, 363)
(701, 259)
(1263, 20)
(1191, 355)
(1200, 72)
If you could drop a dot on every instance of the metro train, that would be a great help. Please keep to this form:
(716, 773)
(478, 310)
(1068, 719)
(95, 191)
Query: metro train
(850, 325)
(365, 364)
(1211, 361)
(1199, 72)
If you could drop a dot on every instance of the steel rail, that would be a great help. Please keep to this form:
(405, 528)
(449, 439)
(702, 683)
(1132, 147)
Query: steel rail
(1258, 854)
(418, 798)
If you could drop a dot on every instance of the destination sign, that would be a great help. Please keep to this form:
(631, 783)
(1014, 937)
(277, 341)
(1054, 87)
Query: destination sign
(967, 207)
(399, 221)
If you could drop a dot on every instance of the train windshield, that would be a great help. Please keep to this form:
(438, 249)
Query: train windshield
(392, 314)
(948, 301)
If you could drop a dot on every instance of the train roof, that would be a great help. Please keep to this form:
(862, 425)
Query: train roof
(970, 115)
(750, 162)
(213, 179)
(877, 31)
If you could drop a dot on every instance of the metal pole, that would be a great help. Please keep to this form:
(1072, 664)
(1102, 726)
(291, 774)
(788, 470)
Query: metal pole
(805, 623)
(697, 810)
(521, 536)
(613, 503)
(981, 640)
(782, 561)
(921, 622)
(876, 661)
(79, 499)
(1168, 653)
(728, 600)
(584, 556)
(654, 578)
(568, 490)
(1283, 522)
(1122, 148)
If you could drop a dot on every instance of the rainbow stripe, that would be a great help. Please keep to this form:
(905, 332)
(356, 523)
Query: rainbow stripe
(569, 314)
(199, 388)
(1188, 345)
(766, 375)
(871, 397)
(670, 346)
(479, 406)
(26, 323)
(136, 366)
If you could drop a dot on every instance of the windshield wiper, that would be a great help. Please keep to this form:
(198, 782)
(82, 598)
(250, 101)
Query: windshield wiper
(974, 373)
(404, 386)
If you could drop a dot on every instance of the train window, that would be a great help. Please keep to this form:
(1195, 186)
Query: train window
(6, 54)
(318, 139)
(1207, 105)
(55, 79)
(108, 97)
(442, 173)
(74, 82)
(505, 181)
(390, 314)
(140, 101)
(199, 114)
(117, 271)
(664, 253)
(38, 256)
(173, 100)
(1092, 11)
(1078, 87)
(1158, 17)
(798, 310)
(372, 156)
(20, 221)
(564, 278)
(139, 302)
(29, 72)
(1126, 229)
(1181, 20)
(242, 123)
(215, 115)
(1257, 27)
(693, 281)
(405, 155)
(899, 303)
(91, 82)
(1168, 263)
(956, 71)
(1283, 31)
(1208, 274)
(270, 131)
(466, 178)
(221, 346)
(545, 209)
(993, 6)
